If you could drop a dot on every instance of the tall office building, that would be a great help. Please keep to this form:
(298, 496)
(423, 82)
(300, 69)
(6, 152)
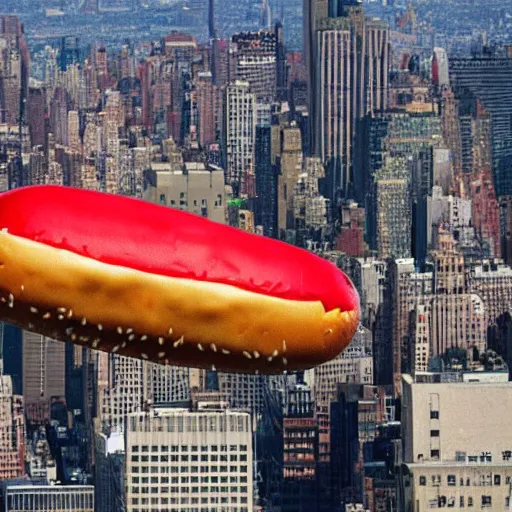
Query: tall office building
(290, 161)
(36, 113)
(300, 439)
(353, 365)
(209, 108)
(14, 70)
(393, 210)
(407, 142)
(488, 78)
(256, 62)
(109, 469)
(12, 431)
(181, 459)
(267, 177)
(310, 213)
(239, 133)
(121, 389)
(127, 385)
(355, 413)
(348, 65)
(333, 126)
(43, 373)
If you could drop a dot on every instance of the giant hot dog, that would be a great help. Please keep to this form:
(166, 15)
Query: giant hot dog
(143, 280)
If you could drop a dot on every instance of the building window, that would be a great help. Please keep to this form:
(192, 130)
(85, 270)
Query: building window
(497, 480)
(434, 454)
(470, 501)
(451, 480)
(434, 433)
(486, 501)
(434, 415)
(461, 502)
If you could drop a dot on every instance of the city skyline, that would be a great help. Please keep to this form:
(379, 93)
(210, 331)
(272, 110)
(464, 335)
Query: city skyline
(374, 134)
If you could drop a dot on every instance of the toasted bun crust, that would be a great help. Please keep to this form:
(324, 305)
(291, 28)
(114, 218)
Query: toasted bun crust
(168, 320)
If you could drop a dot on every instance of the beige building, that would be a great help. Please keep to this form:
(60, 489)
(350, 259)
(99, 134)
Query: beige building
(193, 188)
(456, 446)
(182, 460)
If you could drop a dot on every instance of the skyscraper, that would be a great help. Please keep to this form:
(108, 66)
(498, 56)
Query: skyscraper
(12, 432)
(196, 458)
(43, 373)
(256, 62)
(239, 132)
(488, 79)
(266, 182)
(348, 65)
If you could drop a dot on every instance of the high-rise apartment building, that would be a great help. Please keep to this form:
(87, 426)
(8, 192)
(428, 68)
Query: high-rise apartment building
(12, 431)
(353, 365)
(487, 78)
(393, 209)
(181, 459)
(209, 107)
(300, 439)
(249, 392)
(121, 389)
(290, 161)
(355, 414)
(267, 179)
(486, 214)
(109, 466)
(36, 113)
(311, 210)
(43, 373)
(239, 132)
(127, 385)
(256, 63)
(412, 139)
(347, 56)
(492, 281)
(506, 227)
(332, 126)
(14, 71)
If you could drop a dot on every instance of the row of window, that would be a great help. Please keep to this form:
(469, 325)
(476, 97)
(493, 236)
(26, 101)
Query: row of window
(187, 469)
(186, 448)
(187, 458)
(186, 501)
(191, 509)
(187, 479)
(187, 490)
(443, 501)
(451, 480)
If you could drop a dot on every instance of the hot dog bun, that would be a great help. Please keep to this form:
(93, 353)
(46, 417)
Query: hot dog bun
(61, 277)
